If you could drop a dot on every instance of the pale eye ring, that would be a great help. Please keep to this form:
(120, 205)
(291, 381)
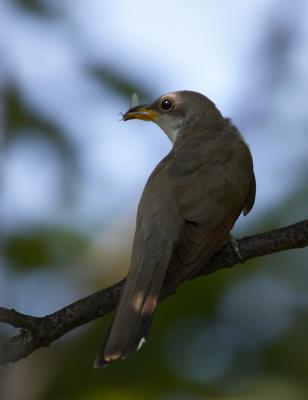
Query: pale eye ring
(167, 105)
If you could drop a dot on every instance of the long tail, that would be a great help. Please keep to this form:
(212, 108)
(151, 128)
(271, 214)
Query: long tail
(134, 313)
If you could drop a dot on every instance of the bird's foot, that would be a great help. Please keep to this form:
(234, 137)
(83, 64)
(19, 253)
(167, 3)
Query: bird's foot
(235, 246)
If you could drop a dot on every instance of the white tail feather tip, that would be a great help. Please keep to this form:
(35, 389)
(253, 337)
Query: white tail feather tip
(141, 343)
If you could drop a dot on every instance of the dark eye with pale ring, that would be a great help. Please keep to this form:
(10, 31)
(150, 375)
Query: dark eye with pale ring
(166, 104)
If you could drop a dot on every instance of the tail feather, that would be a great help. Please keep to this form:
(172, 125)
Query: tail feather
(132, 320)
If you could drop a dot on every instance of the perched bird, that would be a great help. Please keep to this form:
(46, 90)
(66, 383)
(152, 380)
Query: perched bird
(187, 210)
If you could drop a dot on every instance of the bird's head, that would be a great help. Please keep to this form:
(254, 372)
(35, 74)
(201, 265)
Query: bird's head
(173, 110)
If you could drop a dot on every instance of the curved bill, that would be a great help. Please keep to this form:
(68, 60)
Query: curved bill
(143, 112)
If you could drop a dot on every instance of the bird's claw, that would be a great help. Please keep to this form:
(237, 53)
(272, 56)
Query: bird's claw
(235, 246)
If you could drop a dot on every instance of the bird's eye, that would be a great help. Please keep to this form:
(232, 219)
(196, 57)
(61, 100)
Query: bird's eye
(166, 104)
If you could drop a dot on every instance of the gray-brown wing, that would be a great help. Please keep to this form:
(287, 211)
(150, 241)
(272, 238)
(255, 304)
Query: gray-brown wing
(250, 201)
(212, 182)
(211, 178)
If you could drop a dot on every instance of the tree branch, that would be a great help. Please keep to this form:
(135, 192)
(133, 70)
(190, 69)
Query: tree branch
(38, 332)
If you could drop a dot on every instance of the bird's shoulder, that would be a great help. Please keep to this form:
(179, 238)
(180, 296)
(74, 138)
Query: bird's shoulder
(210, 172)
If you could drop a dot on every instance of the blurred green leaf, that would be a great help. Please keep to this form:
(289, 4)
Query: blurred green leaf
(39, 7)
(19, 117)
(20, 121)
(42, 246)
(122, 85)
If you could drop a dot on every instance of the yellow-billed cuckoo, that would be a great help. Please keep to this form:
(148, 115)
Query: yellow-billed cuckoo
(187, 210)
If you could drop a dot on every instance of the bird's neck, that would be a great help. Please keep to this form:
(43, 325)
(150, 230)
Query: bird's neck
(176, 128)
(172, 133)
(171, 128)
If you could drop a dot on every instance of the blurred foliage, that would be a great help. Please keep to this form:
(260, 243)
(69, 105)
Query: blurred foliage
(39, 247)
(117, 82)
(19, 119)
(41, 8)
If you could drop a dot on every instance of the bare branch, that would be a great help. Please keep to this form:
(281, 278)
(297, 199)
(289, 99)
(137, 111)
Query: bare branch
(18, 320)
(39, 332)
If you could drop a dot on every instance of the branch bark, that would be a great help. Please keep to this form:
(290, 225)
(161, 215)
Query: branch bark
(38, 332)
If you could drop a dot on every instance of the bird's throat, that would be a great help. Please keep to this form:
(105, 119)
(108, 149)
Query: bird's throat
(171, 129)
